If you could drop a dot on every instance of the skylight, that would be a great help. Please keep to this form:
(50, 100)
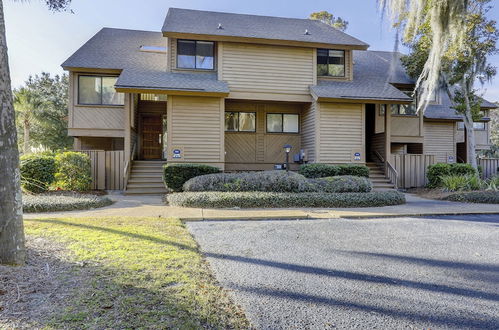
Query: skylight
(153, 49)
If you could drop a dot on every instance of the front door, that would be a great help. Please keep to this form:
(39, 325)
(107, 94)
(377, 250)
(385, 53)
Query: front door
(151, 130)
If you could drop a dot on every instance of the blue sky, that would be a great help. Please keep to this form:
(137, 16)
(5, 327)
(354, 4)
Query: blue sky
(39, 40)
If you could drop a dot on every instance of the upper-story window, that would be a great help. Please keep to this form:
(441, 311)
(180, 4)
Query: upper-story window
(331, 62)
(192, 54)
(98, 90)
(477, 126)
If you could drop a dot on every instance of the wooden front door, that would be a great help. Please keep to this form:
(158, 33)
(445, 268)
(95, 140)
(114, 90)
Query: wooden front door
(151, 131)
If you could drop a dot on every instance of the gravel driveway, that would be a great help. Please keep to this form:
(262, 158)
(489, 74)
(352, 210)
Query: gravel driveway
(383, 273)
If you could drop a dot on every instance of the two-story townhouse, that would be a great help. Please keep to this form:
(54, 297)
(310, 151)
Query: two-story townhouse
(231, 90)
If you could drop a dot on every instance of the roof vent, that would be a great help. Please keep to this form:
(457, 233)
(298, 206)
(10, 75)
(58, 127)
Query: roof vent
(153, 49)
(220, 27)
(306, 32)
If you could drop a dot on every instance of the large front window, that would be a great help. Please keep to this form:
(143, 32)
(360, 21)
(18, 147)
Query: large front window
(98, 90)
(240, 121)
(282, 123)
(330, 62)
(192, 54)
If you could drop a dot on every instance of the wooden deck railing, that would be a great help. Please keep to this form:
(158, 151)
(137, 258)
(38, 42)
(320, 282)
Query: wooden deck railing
(412, 169)
(490, 167)
(107, 169)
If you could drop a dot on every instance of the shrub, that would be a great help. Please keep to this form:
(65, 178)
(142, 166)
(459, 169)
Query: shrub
(37, 172)
(275, 181)
(214, 199)
(318, 170)
(461, 182)
(342, 184)
(62, 202)
(488, 197)
(175, 175)
(353, 170)
(437, 171)
(73, 171)
(492, 183)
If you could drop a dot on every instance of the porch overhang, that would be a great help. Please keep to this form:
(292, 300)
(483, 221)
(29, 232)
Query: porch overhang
(169, 91)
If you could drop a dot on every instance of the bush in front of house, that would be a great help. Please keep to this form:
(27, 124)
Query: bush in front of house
(318, 170)
(353, 170)
(214, 199)
(274, 181)
(486, 197)
(342, 184)
(437, 171)
(73, 171)
(62, 202)
(462, 182)
(37, 172)
(175, 175)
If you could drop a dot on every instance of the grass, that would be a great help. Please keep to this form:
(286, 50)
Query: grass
(147, 273)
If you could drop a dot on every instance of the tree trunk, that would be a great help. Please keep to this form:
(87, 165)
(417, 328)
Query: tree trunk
(12, 250)
(26, 149)
(470, 130)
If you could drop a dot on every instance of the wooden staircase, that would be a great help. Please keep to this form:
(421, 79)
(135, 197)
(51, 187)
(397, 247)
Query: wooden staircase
(146, 178)
(378, 178)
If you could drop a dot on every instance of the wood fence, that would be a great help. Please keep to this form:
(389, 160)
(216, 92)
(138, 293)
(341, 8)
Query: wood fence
(412, 169)
(489, 167)
(107, 169)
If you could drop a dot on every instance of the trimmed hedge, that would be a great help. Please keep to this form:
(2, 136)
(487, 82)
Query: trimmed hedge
(342, 184)
(437, 171)
(272, 181)
(283, 200)
(37, 172)
(318, 170)
(175, 175)
(73, 171)
(487, 197)
(62, 202)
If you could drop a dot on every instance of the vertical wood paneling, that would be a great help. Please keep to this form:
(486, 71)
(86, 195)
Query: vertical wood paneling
(489, 167)
(107, 169)
(308, 141)
(412, 169)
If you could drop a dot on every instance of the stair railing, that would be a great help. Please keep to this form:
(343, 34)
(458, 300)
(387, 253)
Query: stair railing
(128, 165)
(393, 175)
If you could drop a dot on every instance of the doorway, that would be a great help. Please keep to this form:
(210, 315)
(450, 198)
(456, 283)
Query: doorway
(370, 130)
(151, 129)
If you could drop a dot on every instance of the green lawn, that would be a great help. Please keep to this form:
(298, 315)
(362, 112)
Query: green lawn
(146, 273)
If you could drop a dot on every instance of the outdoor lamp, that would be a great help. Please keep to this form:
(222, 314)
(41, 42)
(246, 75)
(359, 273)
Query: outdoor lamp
(287, 149)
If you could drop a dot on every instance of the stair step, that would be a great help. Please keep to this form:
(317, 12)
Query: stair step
(145, 175)
(376, 175)
(145, 185)
(382, 185)
(146, 170)
(145, 191)
(149, 162)
(145, 179)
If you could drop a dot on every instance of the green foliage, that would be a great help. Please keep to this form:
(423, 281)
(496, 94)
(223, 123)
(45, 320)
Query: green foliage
(275, 181)
(318, 170)
(329, 19)
(342, 184)
(437, 171)
(37, 172)
(486, 197)
(41, 106)
(461, 182)
(175, 175)
(62, 202)
(73, 171)
(213, 199)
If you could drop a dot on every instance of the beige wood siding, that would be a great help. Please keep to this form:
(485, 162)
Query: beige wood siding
(97, 118)
(309, 130)
(341, 132)
(259, 150)
(482, 138)
(439, 140)
(196, 126)
(267, 69)
(406, 126)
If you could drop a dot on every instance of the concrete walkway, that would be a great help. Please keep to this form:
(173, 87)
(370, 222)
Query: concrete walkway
(152, 206)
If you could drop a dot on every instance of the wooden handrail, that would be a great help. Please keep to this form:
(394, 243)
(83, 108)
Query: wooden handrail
(379, 156)
(126, 170)
(392, 174)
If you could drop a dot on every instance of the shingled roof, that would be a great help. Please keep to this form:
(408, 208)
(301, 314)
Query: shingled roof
(187, 21)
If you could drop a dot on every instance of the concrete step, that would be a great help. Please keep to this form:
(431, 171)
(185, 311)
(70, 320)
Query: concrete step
(145, 185)
(146, 170)
(145, 179)
(145, 191)
(383, 185)
(145, 175)
(376, 175)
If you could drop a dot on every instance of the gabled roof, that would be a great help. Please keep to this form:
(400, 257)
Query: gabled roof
(118, 49)
(197, 22)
